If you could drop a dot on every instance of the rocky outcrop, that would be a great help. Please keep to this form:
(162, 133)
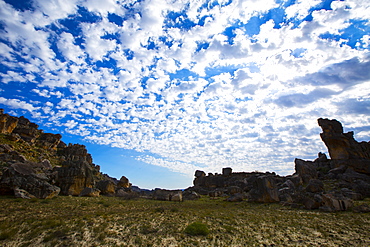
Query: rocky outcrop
(326, 184)
(20, 177)
(7, 123)
(41, 165)
(344, 150)
(76, 172)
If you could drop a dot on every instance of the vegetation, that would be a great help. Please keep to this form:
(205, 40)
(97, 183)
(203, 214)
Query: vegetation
(110, 221)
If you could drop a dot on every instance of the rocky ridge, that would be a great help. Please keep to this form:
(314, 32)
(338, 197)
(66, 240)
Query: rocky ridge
(327, 184)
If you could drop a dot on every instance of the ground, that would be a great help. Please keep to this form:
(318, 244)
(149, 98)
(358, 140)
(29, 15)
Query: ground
(110, 221)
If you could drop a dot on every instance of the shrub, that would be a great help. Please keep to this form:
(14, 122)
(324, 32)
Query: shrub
(196, 229)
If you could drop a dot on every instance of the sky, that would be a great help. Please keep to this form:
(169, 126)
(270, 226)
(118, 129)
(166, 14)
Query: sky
(159, 89)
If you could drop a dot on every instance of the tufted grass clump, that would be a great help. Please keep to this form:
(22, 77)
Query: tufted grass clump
(197, 229)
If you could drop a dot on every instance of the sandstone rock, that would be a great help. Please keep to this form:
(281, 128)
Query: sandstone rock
(7, 123)
(124, 182)
(107, 187)
(90, 192)
(305, 169)
(76, 172)
(48, 141)
(27, 130)
(342, 145)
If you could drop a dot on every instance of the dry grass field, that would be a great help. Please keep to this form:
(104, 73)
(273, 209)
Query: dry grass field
(109, 221)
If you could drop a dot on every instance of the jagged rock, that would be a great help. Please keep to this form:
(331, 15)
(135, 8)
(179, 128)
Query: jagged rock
(264, 190)
(335, 203)
(48, 141)
(305, 169)
(107, 187)
(23, 176)
(124, 182)
(342, 145)
(27, 130)
(90, 192)
(76, 172)
(7, 123)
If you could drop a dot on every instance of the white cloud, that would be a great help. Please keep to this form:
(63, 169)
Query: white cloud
(252, 104)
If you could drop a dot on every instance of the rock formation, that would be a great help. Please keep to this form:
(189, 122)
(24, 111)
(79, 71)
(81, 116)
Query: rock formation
(38, 164)
(328, 184)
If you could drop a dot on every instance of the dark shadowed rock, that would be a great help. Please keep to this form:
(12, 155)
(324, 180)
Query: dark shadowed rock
(22, 176)
(199, 174)
(190, 195)
(315, 186)
(305, 169)
(227, 171)
(264, 190)
(333, 202)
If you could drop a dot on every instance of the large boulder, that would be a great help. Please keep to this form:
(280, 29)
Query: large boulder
(167, 195)
(123, 183)
(333, 202)
(107, 187)
(264, 190)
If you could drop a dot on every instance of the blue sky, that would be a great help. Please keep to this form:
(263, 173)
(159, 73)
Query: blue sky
(159, 89)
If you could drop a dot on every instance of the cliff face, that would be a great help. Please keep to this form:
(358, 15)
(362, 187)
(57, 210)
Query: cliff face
(38, 164)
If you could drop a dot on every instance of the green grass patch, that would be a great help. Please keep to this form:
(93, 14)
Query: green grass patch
(197, 229)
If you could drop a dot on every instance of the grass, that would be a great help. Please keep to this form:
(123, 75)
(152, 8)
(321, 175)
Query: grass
(110, 221)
